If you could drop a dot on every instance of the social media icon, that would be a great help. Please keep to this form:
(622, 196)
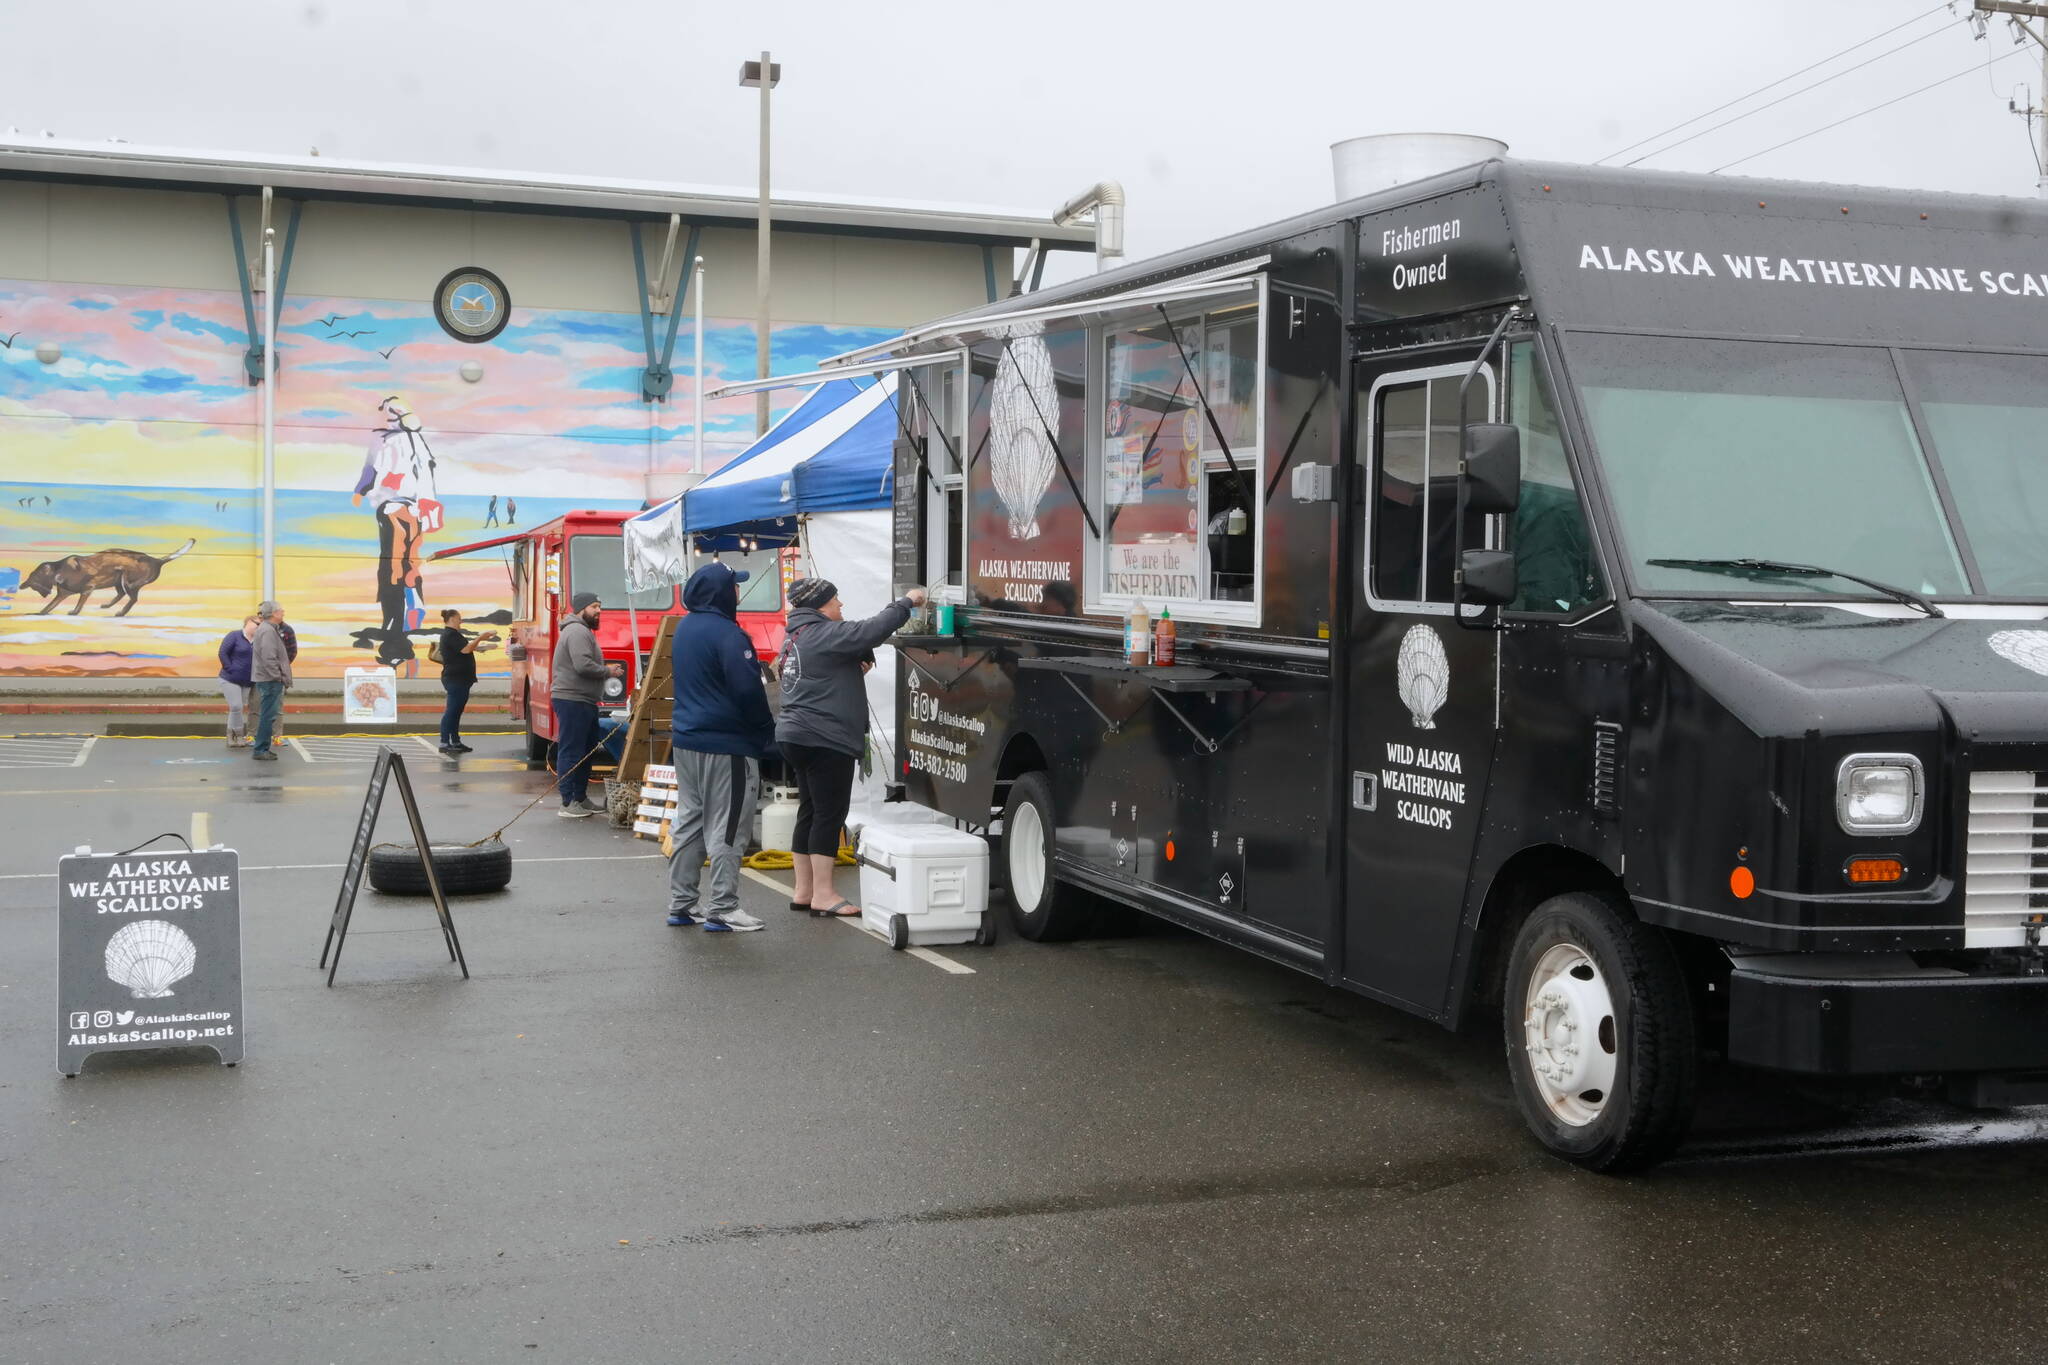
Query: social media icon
(102, 1018)
(81, 1018)
(124, 1018)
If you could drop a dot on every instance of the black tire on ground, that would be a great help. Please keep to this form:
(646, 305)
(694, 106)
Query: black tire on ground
(1589, 949)
(1042, 908)
(620, 802)
(463, 869)
(899, 932)
(985, 932)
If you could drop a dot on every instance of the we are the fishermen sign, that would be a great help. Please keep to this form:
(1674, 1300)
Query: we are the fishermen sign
(149, 953)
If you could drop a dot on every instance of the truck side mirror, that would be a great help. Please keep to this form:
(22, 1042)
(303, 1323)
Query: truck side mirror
(1487, 577)
(1492, 469)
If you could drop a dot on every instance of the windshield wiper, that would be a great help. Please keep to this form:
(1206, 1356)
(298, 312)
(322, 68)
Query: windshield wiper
(1781, 568)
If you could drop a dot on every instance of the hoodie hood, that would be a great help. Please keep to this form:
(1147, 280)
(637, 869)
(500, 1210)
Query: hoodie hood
(714, 588)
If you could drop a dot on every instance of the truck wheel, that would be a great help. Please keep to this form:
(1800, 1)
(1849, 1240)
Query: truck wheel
(1041, 908)
(1599, 1035)
(463, 869)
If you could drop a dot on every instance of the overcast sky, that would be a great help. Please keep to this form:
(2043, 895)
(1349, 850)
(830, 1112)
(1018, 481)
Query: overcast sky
(1214, 116)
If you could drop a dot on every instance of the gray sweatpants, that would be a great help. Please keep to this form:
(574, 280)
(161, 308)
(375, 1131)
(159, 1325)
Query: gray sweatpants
(715, 796)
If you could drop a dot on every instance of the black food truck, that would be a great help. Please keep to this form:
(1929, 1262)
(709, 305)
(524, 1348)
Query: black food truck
(1607, 601)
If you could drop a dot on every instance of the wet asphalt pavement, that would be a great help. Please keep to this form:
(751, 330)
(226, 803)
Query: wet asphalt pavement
(622, 1141)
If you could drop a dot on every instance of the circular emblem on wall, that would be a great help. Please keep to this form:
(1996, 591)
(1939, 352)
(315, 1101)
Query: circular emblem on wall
(472, 304)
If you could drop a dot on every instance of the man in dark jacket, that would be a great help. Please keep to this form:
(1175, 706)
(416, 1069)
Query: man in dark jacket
(719, 731)
(575, 686)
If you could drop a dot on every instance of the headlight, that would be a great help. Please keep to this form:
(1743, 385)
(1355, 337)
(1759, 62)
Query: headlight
(614, 688)
(1879, 793)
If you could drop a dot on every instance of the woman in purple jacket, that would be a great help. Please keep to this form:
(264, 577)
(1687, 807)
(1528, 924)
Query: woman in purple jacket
(235, 656)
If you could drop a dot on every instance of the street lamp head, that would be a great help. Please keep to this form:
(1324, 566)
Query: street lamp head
(750, 74)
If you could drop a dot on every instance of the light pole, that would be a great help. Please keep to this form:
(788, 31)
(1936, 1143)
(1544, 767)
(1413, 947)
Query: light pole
(763, 74)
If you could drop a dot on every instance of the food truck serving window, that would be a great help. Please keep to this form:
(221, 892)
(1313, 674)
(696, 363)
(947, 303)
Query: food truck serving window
(1180, 524)
(1724, 450)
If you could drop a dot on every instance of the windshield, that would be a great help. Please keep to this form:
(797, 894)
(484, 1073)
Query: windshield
(763, 589)
(1764, 450)
(1988, 417)
(598, 564)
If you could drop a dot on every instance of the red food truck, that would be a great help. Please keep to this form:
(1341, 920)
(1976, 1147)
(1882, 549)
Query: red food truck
(583, 552)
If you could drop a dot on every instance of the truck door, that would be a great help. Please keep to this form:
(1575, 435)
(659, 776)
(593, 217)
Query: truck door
(1423, 688)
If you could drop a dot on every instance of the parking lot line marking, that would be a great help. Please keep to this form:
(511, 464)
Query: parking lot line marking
(46, 751)
(854, 921)
(300, 747)
(202, 824)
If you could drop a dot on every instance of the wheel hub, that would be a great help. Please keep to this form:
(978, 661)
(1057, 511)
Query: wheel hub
(1569, 1034)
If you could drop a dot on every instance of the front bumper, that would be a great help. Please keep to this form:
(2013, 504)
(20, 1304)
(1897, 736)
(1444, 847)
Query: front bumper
(1870, 1015)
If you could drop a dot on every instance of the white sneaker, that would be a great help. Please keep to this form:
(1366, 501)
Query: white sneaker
(732, 922)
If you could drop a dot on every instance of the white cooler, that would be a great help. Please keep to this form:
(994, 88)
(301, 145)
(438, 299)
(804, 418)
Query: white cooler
(923, 884)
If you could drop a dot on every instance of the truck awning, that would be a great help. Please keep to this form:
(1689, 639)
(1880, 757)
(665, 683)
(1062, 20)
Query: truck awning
(961, 328)
(454, 550)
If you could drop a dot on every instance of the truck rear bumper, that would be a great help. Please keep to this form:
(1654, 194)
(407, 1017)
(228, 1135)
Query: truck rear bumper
(1863, 1015)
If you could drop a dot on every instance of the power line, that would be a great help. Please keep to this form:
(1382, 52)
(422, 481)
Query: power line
(1969, 70)
(1791, 95)
(1773, 84)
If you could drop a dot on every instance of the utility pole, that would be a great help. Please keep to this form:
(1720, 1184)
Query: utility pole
(2017, 12)
(764, 74)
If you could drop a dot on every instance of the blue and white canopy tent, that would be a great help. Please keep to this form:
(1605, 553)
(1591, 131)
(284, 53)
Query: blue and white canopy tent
(820, 479)
(828, 454)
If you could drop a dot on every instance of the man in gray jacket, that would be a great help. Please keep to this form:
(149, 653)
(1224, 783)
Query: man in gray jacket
(575, 686)
(270, 670)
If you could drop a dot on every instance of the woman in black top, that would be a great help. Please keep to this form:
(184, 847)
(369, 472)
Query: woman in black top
(458, 675)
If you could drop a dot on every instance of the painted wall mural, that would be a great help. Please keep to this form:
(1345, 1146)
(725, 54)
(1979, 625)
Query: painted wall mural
(130, 470)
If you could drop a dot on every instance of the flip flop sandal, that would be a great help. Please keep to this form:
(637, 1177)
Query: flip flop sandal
(839, 910)
(799, 905)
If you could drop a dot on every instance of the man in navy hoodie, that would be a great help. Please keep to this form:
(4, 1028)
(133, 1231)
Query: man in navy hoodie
(721, 728)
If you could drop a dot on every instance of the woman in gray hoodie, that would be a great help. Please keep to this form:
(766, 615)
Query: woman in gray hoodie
(824, 723)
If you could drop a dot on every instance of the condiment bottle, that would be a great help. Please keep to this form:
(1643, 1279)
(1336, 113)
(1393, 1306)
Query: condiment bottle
(1138, 636)
(1164, 637)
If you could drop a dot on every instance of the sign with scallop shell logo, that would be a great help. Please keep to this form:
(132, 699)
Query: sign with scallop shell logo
(2027, 648)
(1423, 671)
(149, 953)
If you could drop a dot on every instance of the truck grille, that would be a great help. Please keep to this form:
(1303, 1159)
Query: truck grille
(2006, 857)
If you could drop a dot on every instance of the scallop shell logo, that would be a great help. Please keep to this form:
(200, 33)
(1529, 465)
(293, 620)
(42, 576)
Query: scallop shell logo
(1425, 675)
(1022, 400)
(149, 957)
(2027, 648)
